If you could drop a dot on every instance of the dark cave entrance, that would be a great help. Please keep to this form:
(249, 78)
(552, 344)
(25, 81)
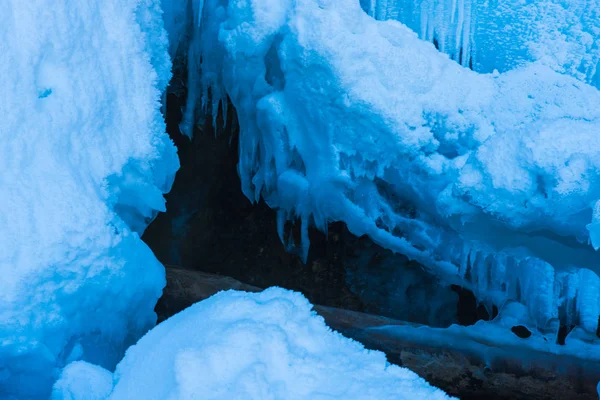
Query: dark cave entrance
(210, 226)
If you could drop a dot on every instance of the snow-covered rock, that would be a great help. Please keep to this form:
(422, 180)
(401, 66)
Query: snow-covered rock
(84, 161)
(238, 345)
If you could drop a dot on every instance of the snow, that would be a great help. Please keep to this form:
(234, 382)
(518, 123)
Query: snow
(488, 180)
(238, 345)
(84, 161)
(82, 380)
(488, 35)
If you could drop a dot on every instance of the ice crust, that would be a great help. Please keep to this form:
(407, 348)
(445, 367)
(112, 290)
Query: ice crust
(84, 163)
(238, 345)
(488, 180)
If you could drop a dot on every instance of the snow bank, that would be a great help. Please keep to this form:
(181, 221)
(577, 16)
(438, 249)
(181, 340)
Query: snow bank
(489, 180)
(84, 161)
(267, 345)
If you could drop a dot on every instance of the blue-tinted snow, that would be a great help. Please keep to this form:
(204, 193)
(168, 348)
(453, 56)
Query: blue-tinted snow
(81, 380)
(84, 163)
(489, 180)
(503, 34)
(237, 345)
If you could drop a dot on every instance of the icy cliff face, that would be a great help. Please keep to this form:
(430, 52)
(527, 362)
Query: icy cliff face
(489, 180)
(84, 163)
(503, 34)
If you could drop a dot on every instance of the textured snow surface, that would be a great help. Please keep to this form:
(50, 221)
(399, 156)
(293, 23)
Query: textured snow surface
(489, 180)
(82, 380)
(238, 345)
(84, 161)
(502, 34)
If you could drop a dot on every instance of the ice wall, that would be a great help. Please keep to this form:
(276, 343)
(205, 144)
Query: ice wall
(84, 161)
(489, 180)
(503, 34)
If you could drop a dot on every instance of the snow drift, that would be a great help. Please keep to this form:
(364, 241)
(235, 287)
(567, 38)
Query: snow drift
(84, 163)
(488, 180)
(238, 345)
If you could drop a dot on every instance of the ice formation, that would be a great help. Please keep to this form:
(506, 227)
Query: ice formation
(502, 34)
(488, 180)
(85, 161)
(238, 345)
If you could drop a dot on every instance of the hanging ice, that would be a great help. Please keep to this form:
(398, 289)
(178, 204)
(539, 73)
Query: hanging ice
(489, 180)
(238, 345)
(503, 34)
(84, 160)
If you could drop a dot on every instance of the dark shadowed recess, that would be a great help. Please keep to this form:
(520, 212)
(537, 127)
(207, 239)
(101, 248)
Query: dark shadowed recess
(211, 226)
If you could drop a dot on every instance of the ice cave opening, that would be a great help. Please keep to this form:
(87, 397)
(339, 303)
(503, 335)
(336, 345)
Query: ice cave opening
(211, 227)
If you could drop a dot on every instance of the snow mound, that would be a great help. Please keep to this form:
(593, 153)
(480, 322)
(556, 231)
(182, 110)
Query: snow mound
(489, 180)
(267, 345)
(82, 380)
(84, 161)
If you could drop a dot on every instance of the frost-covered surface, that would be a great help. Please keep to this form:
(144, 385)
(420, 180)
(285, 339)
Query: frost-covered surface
(238, 345)
(84, 161)
(502, 34)
(489, 180)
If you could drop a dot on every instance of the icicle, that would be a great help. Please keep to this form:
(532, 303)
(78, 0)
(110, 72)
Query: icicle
(538, 290)
(498, 273)
(281, 218)
(588, 300)
(464, 261)
(305, 241)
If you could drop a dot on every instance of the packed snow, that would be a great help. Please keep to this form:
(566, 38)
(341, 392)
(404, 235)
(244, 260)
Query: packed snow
(238, 345)
(82, 380)
(488, 180)
(84, 163)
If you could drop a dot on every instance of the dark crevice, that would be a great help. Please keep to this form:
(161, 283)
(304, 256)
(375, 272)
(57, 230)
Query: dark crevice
(210, 226)
(469, 310)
